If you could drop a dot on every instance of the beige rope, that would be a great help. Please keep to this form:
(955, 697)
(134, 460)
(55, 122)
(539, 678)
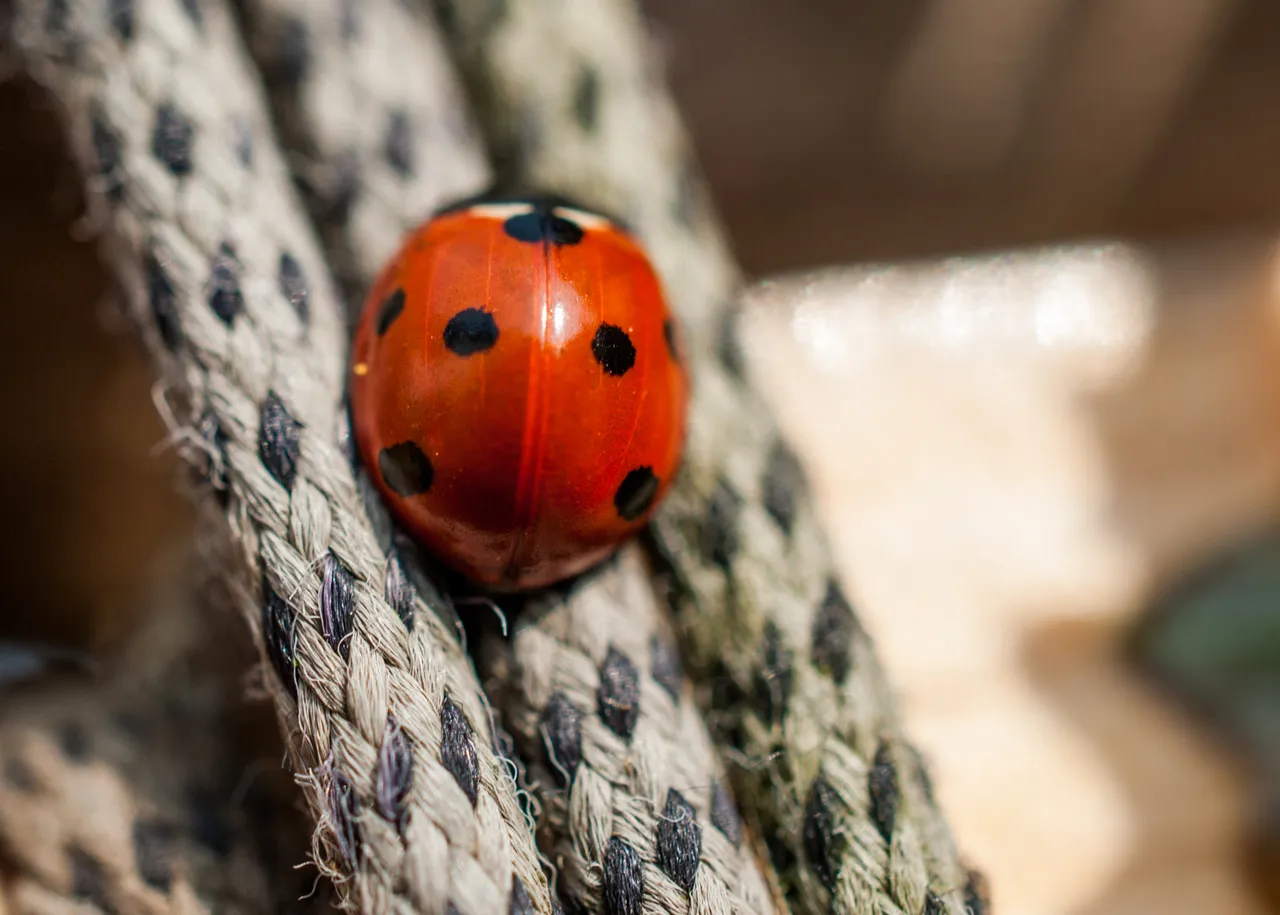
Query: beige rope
(131, 791)
(637, 811)
(793, 683)
(386, 723)
(723, 877)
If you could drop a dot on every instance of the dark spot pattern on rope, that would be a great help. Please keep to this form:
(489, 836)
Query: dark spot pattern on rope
(679, 841)
(395, 773)
(337, 604)
(279, 437)
(885, 792)
(623, 879)
(774, 678)
(822, 842)
(164, 308)
(88, 882)
(834, 629)
(664, 666)
(458, 749)
(154, 852)
(562, 727)
(618, 696)
(724, 813)
(226, 299)
(279, 636)
(720, 533)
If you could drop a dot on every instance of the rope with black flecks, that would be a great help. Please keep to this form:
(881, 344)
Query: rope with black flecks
(791, 681)
(637, 815)
(679, 865)
(131, 790)
(387, 727)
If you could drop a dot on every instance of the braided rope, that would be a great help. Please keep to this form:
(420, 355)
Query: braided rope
(637, 813)
(370, 223)
(222, 272)
(128, 792)
(795, 688)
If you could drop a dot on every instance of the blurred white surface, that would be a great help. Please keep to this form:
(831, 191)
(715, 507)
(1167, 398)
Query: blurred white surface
(1012, 453)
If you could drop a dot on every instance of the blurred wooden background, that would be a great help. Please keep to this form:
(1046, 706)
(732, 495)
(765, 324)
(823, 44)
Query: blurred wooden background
(836, 131)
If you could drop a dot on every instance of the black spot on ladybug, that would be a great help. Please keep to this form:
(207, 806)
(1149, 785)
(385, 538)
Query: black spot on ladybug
(337, 604)
(823, 842)
(292, 58)
(720, 538)
(834, 628)
(88, 880)
(108, 148)
(194, 12)
(279, 435)
(394, 775)
(618, 695)
(679, 841)
(406, 469)
(613, 349)
(470, 331)
(343, 810)
(724, 814)
(293, 285)
(398, 146)
(225, 298)
(154, 850)
(635, 493)
(543, 226)
(586, 98)
(120, 15)
(562, 737)
(163, 300)
(458, 749)
(669, 334)
(171, 139)
(623, 879)
(390, 309)
(773, 680)
(278, 636)
(882, 782)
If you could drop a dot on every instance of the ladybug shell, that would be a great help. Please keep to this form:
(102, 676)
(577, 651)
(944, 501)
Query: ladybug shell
(517, 394)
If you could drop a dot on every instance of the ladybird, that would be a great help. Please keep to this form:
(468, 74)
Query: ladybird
(518, 395)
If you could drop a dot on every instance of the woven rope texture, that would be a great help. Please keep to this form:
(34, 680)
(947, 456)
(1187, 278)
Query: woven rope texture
(791, 680)
(219, 264)
(131, 790)
(371, 221)
(244, 267)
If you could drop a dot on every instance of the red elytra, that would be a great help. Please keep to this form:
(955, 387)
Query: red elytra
(517, 392)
